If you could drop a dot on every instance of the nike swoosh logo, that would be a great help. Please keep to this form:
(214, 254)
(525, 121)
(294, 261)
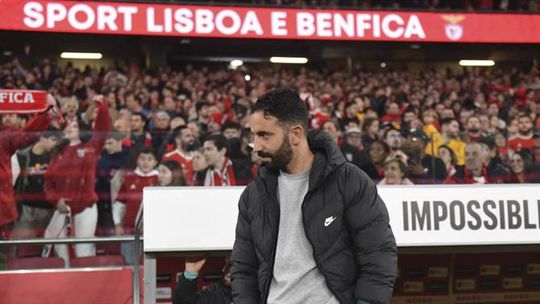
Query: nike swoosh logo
(329, 221)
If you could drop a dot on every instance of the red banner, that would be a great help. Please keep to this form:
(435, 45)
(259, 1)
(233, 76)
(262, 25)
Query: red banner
(22, 101)
(58, 286)
(264, 23)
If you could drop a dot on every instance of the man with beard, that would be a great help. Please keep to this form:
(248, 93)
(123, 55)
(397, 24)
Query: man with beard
(524, 138)
(185, 144)
(394, 139)
(473, 128)
(311, 227)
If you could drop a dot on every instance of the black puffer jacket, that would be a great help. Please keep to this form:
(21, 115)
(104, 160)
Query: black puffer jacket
(356, 254)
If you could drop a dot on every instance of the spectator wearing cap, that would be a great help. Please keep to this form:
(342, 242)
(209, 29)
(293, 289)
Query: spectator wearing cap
(353, 150)
(395, 170)
(423, 168)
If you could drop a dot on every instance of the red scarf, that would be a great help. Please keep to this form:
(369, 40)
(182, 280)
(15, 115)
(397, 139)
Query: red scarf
(221, 177)
(22, 101)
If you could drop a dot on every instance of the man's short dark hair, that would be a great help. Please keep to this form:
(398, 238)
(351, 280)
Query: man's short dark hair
(447, 121)
(284, 104)
(178, 130)
(52, 132)
(231, 125)
(146, 150)
(219, 141)
(141, 115)
(200, 104)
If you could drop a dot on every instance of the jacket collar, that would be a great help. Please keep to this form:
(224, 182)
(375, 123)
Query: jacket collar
(327, 158)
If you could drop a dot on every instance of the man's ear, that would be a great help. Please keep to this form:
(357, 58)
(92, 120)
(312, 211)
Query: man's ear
(296, 133)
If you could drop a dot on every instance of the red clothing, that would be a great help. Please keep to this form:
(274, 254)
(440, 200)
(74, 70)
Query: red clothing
(184, 161)
(72, 172)
(10, 141)
(223, 176)
(519, 142)
(131, 194)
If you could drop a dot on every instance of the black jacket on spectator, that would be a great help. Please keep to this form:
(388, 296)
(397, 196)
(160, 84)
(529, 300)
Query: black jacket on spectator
(434, 167)
(108, 164)
(216, 293)
(357, 254)
(355, 156)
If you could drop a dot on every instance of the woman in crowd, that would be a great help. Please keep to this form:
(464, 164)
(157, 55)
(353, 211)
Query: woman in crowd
(521, 165)
(378, 152)
(170, 174)
(449, 158)
(395, 170)
(71, 178)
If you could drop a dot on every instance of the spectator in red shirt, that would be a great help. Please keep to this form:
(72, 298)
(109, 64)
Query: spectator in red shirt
(129, 199)
(71, 178)
(10, 141)
(183, 154)
(524, 138)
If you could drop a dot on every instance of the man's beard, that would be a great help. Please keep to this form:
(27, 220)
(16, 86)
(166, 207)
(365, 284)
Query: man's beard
(524, 133)
(190, 147)
(281, 158)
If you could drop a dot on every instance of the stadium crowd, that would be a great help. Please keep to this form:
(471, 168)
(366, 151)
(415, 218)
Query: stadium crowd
(521, 6)
(190, 127)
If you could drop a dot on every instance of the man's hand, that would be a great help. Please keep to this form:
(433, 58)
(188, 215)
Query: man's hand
(194, 264)
(416, 169)
(119, 230)
(98, 99)
(62, 206)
